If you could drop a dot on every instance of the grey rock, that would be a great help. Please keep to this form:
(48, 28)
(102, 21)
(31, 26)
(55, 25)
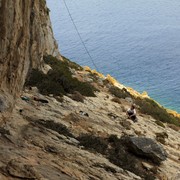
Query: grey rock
(146, 147)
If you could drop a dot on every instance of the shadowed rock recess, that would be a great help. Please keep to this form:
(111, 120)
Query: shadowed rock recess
(70, 122)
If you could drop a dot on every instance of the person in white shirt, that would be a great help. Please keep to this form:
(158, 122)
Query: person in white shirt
(131, 112)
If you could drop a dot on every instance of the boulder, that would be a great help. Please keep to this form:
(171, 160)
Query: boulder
(146, 147)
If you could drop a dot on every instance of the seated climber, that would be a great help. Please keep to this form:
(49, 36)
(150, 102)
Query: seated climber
(131, 112)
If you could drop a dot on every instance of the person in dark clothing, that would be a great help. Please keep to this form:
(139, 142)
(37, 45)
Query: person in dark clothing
(131, 112)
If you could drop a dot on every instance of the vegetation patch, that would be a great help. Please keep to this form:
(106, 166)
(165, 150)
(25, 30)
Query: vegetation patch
(58, 81)
(161, 137)
(60, 128)
(120, 155)
(120, 93)
(93, 143)
(116, 99)
(4, 131)
(71, 64)
(150, 107)
(116, 151)
(159, 123)
(59, 98)
(76, 96)
(147, 106)
(95, 78)
(106, 82)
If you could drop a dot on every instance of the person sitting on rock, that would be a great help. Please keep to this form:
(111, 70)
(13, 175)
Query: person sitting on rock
(131, 112)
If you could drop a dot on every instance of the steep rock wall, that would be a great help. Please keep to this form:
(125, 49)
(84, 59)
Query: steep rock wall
(25, 36)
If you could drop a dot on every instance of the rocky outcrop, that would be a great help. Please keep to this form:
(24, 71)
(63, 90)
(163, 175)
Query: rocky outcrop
(146, 147)
(25, 36)
(53, 137)
(43, 141)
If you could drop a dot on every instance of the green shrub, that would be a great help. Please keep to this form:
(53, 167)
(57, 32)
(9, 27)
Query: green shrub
(114, 149)
(150, 107)
(59, 128)
(58, 80)
(119, 155)
(93, 143)
(71, 64)
(120, 93)
(159, 123)
(59, 98)
(94, 77)
(160, 137)
(4, 131)
(105, 82)
(35, 78)
(113, 138)
(76, 96)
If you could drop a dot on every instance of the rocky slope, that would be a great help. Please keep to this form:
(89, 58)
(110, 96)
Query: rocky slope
(66, 139)
(72, 128)
(25, 36)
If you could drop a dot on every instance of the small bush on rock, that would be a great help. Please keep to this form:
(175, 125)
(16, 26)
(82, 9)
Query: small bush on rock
(160, 137)
(159, 123)
(60, 128)
(119, 155)
(116, 151)
(120, 93)
(93, 143)
(76, 96)
(71, 64)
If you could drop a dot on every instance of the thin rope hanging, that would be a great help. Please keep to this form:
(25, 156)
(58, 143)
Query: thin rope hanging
(87, 51)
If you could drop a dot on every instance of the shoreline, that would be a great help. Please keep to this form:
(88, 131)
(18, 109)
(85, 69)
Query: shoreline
(132, 91)
(160, 100)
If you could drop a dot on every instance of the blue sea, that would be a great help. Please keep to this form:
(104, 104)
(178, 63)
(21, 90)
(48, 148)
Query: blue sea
(135, 41)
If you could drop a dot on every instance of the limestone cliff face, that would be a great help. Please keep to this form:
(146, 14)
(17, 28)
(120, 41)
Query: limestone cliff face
(25, 36)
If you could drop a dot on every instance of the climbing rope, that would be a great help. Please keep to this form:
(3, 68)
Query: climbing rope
(84, 45)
